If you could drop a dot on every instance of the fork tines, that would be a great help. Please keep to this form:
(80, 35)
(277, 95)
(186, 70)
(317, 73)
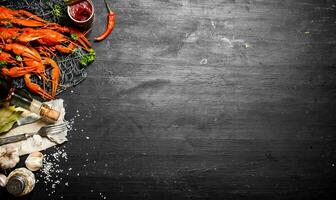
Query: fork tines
(58, 128)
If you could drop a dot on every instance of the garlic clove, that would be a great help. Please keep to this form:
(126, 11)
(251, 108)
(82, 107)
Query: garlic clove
(9, 156)
(37, 140)
(34, 161)
(3, 180)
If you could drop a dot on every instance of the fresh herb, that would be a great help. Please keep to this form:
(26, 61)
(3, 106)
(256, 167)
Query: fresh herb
(18, 58)
(57, 12)
(3, 63)
(85, 60)
(9, 25)
(8, 116)
(74, 36)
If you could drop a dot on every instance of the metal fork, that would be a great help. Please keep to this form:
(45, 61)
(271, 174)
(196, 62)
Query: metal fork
(43, 132)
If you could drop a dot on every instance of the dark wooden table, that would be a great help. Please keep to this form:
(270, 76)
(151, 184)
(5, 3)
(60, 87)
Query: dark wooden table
(214, 99)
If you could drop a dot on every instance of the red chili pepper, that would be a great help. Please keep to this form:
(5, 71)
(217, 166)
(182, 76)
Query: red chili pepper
(109, 26)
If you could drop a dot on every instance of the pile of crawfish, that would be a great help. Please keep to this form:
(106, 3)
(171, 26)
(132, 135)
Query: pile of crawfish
(27, 45)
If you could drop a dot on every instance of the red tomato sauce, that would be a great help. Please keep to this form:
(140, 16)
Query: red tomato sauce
(81, 11)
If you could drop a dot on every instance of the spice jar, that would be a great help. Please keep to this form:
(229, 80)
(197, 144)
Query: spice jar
(20, 182)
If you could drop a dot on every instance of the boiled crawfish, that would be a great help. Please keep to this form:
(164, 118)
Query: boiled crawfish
(20, 17)
(47, 40)
(31, 63)
(30, 37)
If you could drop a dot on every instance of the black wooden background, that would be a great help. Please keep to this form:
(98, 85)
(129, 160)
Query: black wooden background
(205, 99)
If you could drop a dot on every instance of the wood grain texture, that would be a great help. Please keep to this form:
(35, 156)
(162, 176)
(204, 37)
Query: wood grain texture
(215, 99)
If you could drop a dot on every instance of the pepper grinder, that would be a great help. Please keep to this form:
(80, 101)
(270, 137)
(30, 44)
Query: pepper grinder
(20, 182)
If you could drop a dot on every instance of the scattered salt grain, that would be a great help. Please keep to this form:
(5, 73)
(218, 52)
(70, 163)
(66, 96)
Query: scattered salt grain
(204, 61)
(102, 196)
(51, 170)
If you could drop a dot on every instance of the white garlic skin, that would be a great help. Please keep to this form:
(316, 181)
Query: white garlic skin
(37, 140)
(34, 161)
(3, 180)
(9, 156)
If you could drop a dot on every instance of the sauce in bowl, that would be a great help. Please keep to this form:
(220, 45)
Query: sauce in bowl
(81, 11)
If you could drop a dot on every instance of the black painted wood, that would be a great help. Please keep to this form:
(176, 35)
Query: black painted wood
(206, 100)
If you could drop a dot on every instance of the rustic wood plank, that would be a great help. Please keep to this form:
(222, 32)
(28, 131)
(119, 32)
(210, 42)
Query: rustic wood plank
(206, 99)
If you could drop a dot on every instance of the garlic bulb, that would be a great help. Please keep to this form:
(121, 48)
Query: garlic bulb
(34, 161)
(9, 156)
(3, 180)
